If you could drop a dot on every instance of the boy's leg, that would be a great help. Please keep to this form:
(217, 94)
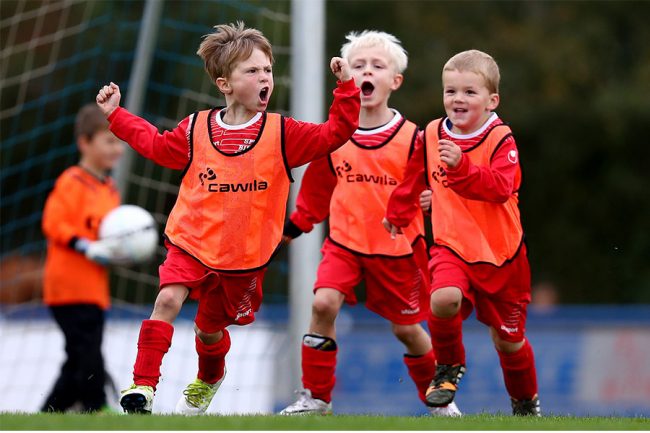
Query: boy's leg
(338, 273)
(64, 393)
(153, 342)
(519, 374)
(91, 366)
(419, 358)
(503, 308)
(319, 347)
(224, 300)
(446, 328)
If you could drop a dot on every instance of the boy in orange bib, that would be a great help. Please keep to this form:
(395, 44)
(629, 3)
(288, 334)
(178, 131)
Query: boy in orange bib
(352, 187)
(470, 161)
(227, 222)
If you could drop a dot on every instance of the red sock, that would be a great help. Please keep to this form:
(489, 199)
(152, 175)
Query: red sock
(154, 341)
(447, 339)
(318, 368)
(421, 369)
(519, 372)
(212, 358)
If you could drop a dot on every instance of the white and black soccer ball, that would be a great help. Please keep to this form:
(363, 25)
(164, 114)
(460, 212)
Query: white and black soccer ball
(130, 233)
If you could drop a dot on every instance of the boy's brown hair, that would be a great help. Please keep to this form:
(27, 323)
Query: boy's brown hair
(478, 62)
(229, 44)
(89, 121)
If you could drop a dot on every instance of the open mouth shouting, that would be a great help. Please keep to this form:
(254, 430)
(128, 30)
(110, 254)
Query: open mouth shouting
(264, 95)
(367, 88)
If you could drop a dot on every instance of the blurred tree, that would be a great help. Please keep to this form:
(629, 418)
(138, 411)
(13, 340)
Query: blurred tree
(576, 91)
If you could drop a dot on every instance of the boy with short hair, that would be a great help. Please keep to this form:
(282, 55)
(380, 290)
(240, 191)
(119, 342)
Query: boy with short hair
(470, 161)
(81, 197)
(352, 186)
(227, 222)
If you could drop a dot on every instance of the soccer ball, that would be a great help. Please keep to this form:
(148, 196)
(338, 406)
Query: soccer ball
(130, 234)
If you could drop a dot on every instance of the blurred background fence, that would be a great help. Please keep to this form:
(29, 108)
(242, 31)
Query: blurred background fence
(575, 87)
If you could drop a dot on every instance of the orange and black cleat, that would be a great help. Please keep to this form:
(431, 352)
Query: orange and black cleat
(443, 387)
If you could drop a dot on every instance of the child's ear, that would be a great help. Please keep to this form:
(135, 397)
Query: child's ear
(398, 79)
(494, 102)
(224, 86)
(83, 141)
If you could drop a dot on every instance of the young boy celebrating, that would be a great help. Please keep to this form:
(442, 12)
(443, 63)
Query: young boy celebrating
(470, 161)
(367, 167)
(227, 222)
(81, 197)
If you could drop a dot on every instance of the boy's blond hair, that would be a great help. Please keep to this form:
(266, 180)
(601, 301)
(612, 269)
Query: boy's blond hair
(374, 38)
(90, 120)
(228, 45)
(478, 62)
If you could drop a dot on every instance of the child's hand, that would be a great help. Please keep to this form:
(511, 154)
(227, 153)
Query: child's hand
(425, 200)
(390, 228)
(340, 68)
(450, 153)
(108, 98)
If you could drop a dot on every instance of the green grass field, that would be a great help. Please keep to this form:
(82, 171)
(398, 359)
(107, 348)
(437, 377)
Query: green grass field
(337, 422)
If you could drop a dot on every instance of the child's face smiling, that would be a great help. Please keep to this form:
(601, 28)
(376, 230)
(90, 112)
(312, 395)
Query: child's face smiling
(374, 73)
(251, 82)
(468, 102)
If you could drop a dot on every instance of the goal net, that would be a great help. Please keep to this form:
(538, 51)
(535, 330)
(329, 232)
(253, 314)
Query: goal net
(54, 57)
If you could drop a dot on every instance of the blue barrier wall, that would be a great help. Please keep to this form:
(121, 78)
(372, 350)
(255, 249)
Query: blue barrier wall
(590, 361)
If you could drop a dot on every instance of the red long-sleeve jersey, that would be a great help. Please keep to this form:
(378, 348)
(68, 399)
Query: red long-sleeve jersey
(304, 141)
(493, 183)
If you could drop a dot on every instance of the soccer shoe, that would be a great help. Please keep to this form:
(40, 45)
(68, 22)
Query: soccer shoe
(526, 407)
(443, 387)
(197, 396)
(307, 405)
(451, 410)
(137, 399)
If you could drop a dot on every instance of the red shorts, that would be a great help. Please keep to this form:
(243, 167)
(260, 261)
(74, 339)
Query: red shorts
(396, 288)
(224, 298)
(499, 294)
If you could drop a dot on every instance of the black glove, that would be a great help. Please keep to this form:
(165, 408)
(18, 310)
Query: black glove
(291, 230)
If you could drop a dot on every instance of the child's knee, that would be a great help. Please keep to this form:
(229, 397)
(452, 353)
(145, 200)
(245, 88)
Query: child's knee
(327, 304)
(406, 333)
(445, 302)
(169, 301)
(503, 345)
(208, 337)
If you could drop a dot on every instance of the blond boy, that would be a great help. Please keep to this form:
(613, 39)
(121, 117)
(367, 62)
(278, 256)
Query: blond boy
(226, 224)
(470, 161)
(352, 186)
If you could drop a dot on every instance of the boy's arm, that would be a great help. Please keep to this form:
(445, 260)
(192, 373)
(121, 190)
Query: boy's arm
(403, 203)
(313, 201)
(309, 141)
(56, 223)
(170, 149)
(494, 183)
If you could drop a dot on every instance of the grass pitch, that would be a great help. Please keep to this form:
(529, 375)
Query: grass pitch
(12, 421)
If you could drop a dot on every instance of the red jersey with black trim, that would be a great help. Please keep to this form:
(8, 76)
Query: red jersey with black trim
(304, 141)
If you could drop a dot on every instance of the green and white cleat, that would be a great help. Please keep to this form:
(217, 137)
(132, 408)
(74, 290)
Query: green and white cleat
(137, 399)
(197, 397)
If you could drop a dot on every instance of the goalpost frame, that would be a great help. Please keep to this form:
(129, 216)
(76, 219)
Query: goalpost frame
(308, 69)
(138, 82)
